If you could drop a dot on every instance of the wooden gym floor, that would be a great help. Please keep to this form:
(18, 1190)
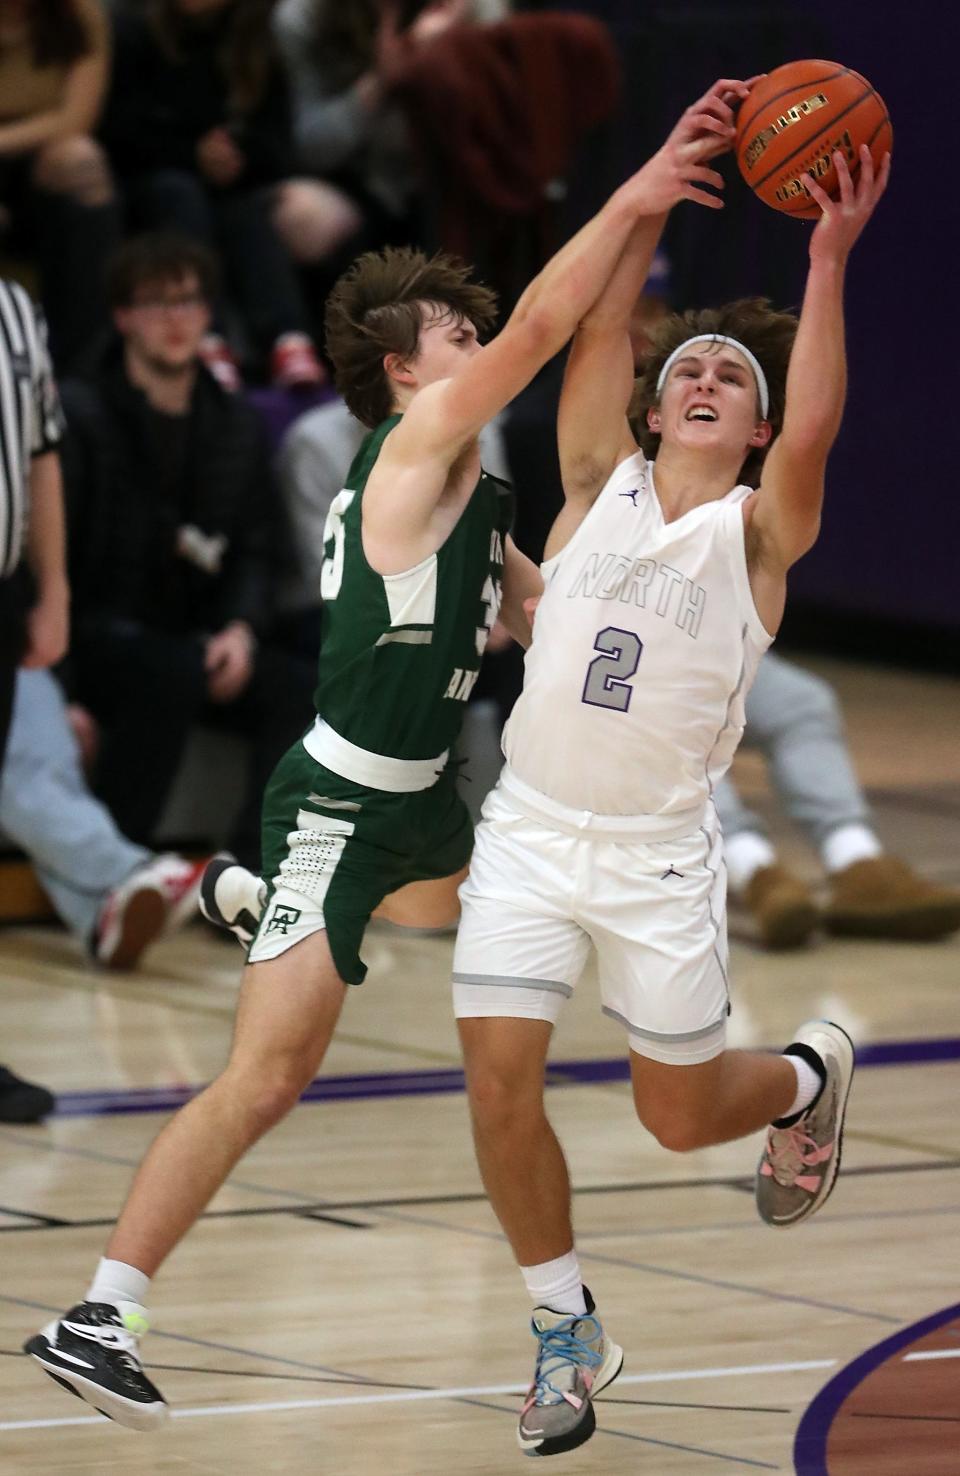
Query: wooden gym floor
(348, 1304)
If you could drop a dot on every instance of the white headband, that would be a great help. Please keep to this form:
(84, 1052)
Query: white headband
(719, 338)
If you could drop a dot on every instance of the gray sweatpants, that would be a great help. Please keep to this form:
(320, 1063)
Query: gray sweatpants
(794, 719)
(47, 809)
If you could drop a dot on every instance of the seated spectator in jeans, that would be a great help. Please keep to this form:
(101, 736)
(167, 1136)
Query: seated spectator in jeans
(794, 718)
(116, 897)
(174, 532)
(55, 184)
(196, 126)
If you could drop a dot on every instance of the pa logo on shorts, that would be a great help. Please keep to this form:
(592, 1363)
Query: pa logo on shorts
(283, 918)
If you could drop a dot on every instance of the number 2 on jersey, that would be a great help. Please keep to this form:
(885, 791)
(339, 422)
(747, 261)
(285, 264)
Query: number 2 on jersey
(606, 684)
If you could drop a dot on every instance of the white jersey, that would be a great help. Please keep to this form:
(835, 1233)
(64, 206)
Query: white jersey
(645, 644)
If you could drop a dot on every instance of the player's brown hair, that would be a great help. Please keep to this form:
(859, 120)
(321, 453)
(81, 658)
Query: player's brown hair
(768, 335)
(376, 308)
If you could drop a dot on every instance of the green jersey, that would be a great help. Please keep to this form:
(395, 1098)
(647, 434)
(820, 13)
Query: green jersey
(400, 653)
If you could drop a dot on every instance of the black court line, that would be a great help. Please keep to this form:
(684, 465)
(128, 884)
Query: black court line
(359, 1381)
(322, 1211)
(50, 1222)
(863, 1414)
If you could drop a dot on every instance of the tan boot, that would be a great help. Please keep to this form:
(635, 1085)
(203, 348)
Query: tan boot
(883, 898)
(782, 907)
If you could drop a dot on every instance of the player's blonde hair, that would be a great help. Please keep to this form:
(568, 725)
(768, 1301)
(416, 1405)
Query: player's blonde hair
(377, 308)
(765, 332)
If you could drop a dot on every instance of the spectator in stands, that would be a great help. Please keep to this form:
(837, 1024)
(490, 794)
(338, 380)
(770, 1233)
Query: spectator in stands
(116, 897)
(341, 61)
(55, 183)
(34, 597)
(174, 537)
(794, 719)
(197, 128)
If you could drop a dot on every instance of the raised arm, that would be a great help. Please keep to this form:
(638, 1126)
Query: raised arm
(592, 431)
(446, 416)
(785, 516)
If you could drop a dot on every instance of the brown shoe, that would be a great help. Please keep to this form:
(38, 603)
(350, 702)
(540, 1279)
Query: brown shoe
(883, 898)
(782, 907)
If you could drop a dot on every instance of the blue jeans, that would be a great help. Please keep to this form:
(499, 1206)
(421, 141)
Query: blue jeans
(47, 809)
(794, 719)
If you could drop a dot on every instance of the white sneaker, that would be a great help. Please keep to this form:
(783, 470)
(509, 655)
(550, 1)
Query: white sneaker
(232, 897)
(133, 915)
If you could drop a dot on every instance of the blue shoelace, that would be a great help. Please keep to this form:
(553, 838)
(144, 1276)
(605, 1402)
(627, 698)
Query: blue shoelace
(560, 1347)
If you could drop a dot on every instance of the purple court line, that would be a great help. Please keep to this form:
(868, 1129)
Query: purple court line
(813, 1432)
(437, 1082)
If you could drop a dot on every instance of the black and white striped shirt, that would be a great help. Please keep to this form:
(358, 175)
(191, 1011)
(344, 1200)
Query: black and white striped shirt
(31, 421)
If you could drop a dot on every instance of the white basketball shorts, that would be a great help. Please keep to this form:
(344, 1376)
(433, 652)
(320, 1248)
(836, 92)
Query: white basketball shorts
(540, 892)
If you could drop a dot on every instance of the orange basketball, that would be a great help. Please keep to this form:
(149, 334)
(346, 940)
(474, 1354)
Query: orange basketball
(794, 120)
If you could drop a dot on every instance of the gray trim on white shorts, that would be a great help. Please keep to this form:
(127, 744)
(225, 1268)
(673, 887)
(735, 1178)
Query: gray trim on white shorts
(509, 981)
(679, 1038)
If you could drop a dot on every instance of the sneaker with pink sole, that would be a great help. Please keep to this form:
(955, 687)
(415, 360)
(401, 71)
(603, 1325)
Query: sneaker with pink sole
(801, 1159)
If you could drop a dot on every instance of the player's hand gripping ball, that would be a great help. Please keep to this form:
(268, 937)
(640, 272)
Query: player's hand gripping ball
(792, 123)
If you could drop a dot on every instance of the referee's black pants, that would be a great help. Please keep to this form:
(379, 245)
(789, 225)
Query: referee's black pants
(147, 689)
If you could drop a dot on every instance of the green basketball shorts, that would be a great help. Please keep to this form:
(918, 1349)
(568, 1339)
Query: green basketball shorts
(333, 849)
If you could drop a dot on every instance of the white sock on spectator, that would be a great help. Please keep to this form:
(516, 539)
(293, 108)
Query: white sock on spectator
(847, 844)
(745, 853)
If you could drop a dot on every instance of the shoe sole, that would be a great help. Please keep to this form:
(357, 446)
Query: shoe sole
(144, 920)
(791, 928)
(912, 925)
(610, 1368)
(833, 1167)
(122, 1411)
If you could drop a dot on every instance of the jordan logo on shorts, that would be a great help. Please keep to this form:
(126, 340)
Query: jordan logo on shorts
(283, 918)
(671, 872)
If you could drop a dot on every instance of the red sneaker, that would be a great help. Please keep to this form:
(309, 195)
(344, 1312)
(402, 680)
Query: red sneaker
(179, 880)
(294, 363)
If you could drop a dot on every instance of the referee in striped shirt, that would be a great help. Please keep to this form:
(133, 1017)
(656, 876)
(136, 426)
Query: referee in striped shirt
(34, 598)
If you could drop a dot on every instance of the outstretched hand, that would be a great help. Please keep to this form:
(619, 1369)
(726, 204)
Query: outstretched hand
(678, 171)
(842, 220)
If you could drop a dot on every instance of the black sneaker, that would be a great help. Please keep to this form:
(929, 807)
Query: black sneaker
(22, 1101)
(93, 1351)
(232, 897)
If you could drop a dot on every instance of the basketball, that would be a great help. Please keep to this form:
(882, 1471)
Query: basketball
(794, 120)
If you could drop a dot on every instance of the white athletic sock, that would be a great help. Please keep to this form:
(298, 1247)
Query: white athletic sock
(556, 1284)
(745, 853)
(115, 1281)
(809, 1082)
(847, 844)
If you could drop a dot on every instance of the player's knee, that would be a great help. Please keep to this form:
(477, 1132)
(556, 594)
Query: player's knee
(498, 1103)
(678, 1129)
(274, 1094)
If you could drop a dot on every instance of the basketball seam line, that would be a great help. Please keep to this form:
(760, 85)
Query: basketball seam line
(803, 212)
(795, 87)
(755, 184)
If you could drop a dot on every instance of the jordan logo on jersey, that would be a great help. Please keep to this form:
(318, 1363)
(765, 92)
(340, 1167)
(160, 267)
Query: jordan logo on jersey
(632, 495)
